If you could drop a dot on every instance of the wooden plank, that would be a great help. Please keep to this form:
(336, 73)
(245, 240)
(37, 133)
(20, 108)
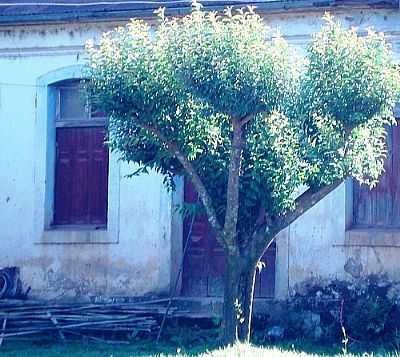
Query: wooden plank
(3, 331)
(55, 323)
(82, 319)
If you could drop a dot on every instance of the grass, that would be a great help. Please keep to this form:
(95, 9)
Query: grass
(148, 348)
(180, 341)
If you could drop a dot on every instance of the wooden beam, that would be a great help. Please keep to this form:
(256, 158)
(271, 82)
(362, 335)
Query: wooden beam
(3, 330)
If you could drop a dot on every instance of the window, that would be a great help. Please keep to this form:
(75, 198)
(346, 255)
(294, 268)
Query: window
(81, 164)
(380, 207)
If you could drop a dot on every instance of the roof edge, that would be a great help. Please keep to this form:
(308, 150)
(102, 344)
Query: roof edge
(261, 6)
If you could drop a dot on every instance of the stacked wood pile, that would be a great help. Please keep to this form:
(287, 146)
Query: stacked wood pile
(115, 322)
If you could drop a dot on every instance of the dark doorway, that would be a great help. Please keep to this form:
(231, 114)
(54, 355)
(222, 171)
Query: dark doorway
(204, 264)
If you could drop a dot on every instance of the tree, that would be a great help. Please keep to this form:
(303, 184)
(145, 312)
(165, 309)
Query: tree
(222, 100)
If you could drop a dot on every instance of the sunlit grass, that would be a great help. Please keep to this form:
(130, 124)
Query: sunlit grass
(243, 350)
(76, 349)
(254, 351)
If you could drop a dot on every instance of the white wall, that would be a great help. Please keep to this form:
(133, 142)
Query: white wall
(140, 262)
(321, 244)
(315, 245)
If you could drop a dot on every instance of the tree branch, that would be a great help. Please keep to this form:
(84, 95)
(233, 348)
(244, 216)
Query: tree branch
(265, 235)
(305, 201)
(246, 119)
(173, 148)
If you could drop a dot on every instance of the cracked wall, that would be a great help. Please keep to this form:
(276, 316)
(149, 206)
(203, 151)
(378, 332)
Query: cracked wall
(138, 261)
(318, 244)
(141, 262)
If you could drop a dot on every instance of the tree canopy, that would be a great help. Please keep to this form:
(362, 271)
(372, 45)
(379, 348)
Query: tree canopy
(312, 122)
(225, 101)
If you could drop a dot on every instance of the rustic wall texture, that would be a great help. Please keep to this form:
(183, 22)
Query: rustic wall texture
(144, 249)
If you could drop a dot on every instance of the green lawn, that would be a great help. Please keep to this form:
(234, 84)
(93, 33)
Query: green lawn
(76, 349)
(179, 341)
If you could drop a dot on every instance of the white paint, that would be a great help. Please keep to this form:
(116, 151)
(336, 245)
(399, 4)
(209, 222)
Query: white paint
(316, 244)
(139, 252)
(137, 255)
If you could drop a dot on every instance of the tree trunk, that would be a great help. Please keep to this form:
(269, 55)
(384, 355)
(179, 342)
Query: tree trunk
(238, 299)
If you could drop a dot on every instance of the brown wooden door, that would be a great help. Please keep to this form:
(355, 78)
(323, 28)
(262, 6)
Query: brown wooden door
(204, 263)
(380, 207)
(81, 183)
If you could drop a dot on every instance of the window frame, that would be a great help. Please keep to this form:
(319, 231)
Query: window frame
(75, 122)
(375, 221)
(44, 166)
(84, 122)
(356, 236)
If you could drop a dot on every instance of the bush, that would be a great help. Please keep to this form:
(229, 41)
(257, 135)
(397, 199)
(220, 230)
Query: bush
(368, 308)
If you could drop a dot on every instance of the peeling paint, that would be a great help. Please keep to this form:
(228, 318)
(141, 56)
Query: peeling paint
(354, 267)
(142, 260)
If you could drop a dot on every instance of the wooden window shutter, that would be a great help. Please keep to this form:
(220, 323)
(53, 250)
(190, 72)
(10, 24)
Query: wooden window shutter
(81, 177)
(380, 207)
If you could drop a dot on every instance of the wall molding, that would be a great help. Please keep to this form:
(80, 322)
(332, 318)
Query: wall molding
(44, 171)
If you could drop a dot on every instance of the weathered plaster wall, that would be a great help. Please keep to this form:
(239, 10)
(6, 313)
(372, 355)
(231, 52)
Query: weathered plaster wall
(321, 242)
(141, 259)
(138, 261)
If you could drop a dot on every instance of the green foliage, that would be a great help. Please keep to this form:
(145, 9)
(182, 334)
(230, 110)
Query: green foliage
(189, 77)
(369, 309)
(226, 61)
(347, 93)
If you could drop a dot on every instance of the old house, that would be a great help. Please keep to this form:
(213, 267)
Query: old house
(78, 227)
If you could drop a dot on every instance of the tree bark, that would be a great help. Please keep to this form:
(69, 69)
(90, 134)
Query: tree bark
(232, 190)
(238, 299)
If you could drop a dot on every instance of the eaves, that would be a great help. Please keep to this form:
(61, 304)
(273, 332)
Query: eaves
(105, 10)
